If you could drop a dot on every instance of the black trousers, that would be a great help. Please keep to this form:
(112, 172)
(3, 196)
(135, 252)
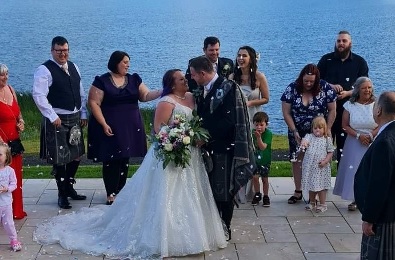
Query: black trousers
(65, 177)
(115, 173)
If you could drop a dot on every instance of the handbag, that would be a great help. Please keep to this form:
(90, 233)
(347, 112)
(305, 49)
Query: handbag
(16, 147)
(208, 161)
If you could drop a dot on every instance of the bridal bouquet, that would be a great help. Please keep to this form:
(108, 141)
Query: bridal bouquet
(174, 140)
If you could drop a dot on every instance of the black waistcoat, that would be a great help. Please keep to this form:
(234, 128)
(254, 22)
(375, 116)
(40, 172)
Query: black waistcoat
(64, 92)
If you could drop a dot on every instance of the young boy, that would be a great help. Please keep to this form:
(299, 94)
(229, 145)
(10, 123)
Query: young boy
(263, 152)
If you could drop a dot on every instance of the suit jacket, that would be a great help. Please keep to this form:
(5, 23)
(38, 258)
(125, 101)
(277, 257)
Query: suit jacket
(225, 68)
(374, 183)
(220, 122)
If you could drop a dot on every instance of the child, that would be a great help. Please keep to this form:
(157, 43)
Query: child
(7, 186)
(316, 165)
(263, 151)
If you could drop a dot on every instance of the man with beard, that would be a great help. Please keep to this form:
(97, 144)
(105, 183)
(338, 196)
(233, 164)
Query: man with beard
(340, 69)
(223, 66)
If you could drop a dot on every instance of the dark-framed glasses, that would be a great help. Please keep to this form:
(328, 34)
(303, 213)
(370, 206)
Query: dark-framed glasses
(60, 51)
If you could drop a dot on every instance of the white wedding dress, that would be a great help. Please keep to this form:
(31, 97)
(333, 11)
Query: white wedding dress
(159, 213)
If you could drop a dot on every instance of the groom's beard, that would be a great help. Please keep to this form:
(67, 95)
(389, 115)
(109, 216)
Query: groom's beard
(344, 53)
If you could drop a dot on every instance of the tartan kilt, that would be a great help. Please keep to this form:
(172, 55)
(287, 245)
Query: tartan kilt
(220, 176)
(56, 144)
(381, 245)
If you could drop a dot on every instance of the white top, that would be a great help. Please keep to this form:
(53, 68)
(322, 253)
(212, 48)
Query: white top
(8, 180)
(361, 116)
(250, 94)
(41, 84)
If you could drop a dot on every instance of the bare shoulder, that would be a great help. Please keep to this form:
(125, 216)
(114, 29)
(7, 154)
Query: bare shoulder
(260, 75)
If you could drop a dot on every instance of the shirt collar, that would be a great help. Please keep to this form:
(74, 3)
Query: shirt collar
(384, 126)
(211, 83)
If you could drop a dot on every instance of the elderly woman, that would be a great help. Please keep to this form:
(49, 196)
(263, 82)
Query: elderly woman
(359, 124)
(11, 124)
(116, 131)
(302, 100)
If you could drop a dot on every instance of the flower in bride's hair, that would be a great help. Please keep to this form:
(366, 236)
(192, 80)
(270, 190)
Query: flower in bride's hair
(173, 141)
(258, 56)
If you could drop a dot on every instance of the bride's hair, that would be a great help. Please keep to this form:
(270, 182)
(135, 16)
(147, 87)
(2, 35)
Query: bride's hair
(168, 82)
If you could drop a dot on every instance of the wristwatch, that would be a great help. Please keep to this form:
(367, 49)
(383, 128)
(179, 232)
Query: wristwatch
(358, 135)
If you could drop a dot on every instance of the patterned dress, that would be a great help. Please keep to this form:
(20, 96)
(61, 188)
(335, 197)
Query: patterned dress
(315, 178)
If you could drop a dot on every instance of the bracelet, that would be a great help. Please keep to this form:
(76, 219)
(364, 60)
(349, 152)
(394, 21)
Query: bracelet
(357, 136)
(371, 136)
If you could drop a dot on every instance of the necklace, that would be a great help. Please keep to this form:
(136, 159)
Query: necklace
(182, 98)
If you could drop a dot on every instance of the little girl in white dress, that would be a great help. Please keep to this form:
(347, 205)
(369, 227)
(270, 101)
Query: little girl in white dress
(316, 166)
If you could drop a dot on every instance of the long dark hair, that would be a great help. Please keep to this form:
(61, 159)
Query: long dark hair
(168, 82)
(253, 66)
(309, 69)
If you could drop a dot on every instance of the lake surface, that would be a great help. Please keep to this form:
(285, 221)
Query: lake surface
(160, 35)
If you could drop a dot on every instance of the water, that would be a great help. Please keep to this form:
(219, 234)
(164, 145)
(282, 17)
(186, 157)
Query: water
(159, 35)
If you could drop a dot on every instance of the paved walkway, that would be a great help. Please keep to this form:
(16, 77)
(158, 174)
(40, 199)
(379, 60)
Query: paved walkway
(280, 232)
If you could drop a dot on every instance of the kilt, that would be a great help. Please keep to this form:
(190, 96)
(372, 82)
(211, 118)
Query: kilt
(381, 245)
(220, 176)
(61, 145)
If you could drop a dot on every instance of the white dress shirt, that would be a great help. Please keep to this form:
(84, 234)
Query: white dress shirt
(383, 127)
(41, 84)
(209, 85)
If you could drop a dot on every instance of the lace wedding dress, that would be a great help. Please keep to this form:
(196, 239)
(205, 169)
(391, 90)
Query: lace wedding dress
(159, 213)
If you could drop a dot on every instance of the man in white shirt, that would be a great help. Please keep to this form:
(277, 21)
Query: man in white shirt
(223, 66)
(60, 97)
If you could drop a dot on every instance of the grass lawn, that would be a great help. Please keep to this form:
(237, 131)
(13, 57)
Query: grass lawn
(31, 140)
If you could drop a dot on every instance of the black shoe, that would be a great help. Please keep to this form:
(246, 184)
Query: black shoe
(266, 201)
(293, 199)
(63, 203)
(73, 194)
(257, 198)
(229, 234)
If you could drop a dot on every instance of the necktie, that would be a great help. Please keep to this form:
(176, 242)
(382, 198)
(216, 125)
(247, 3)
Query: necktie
(65, 69)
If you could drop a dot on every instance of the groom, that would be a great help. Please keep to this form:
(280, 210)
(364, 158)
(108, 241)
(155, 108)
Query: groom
(222, 107)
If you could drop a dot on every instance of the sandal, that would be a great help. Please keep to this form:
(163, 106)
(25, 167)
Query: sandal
(293, 199)
(309, 207)
(352, 206)
(321, 208)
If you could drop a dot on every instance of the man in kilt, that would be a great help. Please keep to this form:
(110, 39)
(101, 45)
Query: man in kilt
(59, 95)
(374, 185)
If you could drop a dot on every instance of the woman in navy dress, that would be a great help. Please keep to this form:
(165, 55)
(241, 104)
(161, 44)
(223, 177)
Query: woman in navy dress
(116, 130)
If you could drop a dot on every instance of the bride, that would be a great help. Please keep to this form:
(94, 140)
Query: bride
(159, 213)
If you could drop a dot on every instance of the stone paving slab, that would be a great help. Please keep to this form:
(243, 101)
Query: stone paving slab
(281, 231)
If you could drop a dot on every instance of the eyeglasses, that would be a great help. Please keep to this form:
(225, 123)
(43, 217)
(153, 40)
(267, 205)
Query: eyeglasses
(60, 51)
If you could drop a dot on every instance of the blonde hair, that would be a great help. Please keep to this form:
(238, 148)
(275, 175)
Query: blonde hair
(8, 155)
(320, 122)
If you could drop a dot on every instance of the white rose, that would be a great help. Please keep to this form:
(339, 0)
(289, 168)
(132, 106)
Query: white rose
(168, 147)
(186, 140)
(191, 133)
